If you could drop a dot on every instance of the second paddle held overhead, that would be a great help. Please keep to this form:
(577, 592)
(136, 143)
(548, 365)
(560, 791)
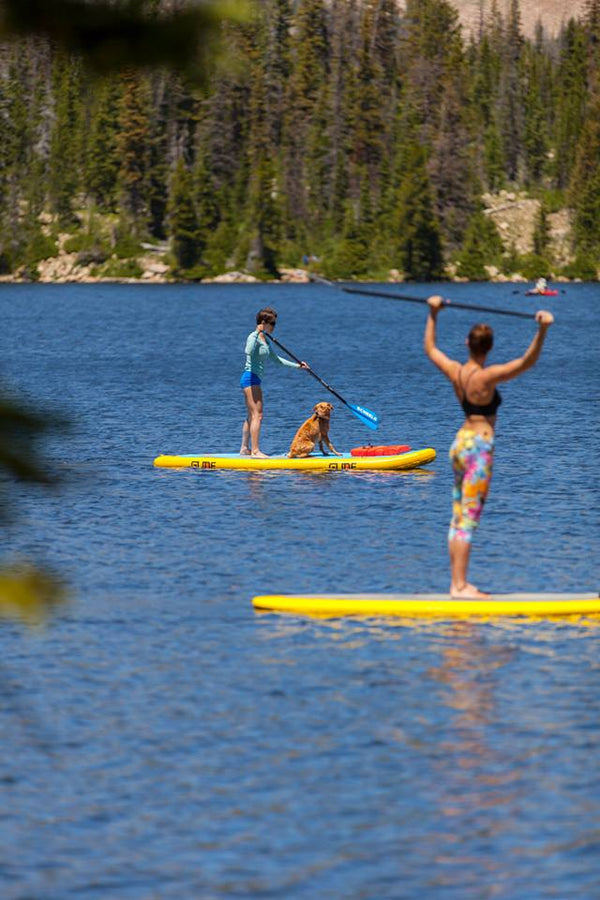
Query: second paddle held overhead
(410, 298)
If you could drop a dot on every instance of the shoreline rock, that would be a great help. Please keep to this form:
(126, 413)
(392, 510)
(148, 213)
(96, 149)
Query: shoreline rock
(494, 278)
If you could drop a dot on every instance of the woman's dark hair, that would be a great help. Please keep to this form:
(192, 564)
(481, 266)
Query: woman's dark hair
(266, 315)
(481, 339)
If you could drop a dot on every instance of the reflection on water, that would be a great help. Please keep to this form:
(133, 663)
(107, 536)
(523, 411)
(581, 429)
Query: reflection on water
(476, 741)
(476, 781)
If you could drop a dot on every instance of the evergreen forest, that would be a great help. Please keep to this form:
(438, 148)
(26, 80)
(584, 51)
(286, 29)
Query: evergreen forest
(353, 137)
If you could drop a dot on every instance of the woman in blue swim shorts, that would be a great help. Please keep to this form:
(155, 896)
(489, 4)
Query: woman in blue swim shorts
(472, 452)
(258, 350)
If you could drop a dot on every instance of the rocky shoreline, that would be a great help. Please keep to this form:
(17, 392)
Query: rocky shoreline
(288, 276)
(513, 213)
(63, 271)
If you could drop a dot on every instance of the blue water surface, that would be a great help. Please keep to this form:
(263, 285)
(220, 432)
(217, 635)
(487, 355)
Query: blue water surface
(162, 740)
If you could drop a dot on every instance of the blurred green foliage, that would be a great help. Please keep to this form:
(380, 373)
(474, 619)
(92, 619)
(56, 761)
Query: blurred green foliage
(27, 593)
(20, 430)
(110, 36)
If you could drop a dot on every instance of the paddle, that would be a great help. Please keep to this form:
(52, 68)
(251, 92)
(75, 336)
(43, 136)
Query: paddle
(368, 418)
(410, 299)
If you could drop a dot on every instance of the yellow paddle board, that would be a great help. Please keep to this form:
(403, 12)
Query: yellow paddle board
(316, 463)
(430, 605)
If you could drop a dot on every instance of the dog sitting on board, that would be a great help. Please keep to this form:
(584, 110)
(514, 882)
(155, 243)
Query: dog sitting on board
(314, 429)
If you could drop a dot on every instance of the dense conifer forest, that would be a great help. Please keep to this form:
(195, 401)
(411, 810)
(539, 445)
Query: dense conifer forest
(347, 136)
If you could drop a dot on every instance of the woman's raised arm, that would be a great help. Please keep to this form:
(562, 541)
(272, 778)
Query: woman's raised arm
(505, 371)
(437, 357)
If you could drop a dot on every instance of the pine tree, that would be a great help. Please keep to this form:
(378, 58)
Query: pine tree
(350, 257)
(484, 79)
(205, 198)
(541, 233)
(223, 128)
(134, 151)
(345, 35)
(482, 247)
(418, 245)
(311, 52)
(511, 93)
(535, 128)
(185, 232)
(584, 189)
(591, 20)
(102, 161)
(430, 49)
(277, 63)
(42, 118)
(65, 148)
(310, 59)
(262, 215)
(451, 169)
(570, 102)
(493, 157)
(367, 123)
(14, 153)
(435, 98)
(165, 145)
(318, 165)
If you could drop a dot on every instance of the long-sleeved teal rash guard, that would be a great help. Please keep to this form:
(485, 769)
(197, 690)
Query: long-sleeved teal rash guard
(257, 352)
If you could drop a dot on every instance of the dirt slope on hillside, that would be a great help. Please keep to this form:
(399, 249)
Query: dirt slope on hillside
(552, 13)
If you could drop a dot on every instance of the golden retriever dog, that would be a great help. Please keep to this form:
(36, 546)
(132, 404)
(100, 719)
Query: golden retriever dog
(314, 429)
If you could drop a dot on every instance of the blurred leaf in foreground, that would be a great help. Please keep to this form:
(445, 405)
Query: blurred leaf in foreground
(110, 35)
(20, 432)
(29, 595)
(19, 428)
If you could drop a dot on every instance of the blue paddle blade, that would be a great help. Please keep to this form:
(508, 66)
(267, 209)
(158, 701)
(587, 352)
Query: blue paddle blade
(368, 418)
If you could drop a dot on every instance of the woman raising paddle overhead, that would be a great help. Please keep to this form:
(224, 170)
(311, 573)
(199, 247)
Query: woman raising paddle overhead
(472, 452)
(258, 350)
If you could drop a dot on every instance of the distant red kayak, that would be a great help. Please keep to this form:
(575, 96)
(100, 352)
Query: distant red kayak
(547, 293)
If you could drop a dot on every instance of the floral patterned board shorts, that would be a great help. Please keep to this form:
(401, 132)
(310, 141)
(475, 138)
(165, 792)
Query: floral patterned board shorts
(472, 458)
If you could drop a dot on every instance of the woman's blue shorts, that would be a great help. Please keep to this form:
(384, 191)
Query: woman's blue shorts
(248, 379)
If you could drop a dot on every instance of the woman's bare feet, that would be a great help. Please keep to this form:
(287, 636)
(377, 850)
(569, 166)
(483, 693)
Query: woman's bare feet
(258, 454)
(467, 592)
(244, 451)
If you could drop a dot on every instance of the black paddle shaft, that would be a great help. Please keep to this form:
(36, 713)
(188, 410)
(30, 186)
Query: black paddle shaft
(488, 309)
(314, 374)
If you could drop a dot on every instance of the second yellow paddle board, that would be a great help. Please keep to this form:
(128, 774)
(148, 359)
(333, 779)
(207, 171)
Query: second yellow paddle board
(430, 605)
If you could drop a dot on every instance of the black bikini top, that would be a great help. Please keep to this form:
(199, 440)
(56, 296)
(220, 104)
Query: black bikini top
(472, 409)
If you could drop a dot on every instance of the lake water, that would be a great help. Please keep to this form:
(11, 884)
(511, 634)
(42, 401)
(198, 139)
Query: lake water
(161, 740)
